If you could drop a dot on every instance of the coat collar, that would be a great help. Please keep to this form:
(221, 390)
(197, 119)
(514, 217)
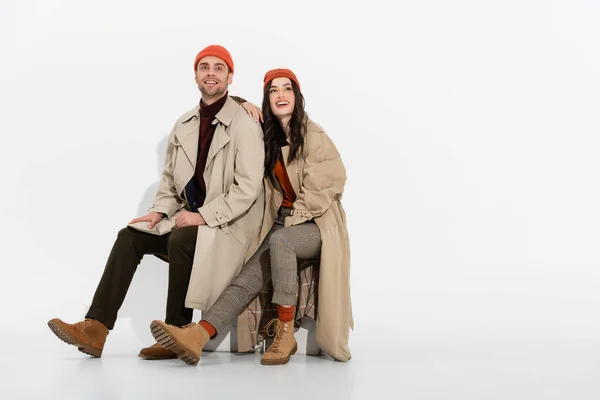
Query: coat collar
(225, 115)
(227, 112)
(189, 130)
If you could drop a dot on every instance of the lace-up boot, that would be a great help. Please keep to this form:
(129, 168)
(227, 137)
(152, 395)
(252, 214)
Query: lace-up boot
(88, 335)
(187, 343)
(284, 344)
(158, 352)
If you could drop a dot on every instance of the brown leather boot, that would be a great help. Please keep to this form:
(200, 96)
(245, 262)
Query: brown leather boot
(157, 352)
(88, 335)
(284, 345)
(187, 343)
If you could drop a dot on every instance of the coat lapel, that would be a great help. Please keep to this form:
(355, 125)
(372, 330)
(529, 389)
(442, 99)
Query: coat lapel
(220, 140)
(221, 137)
(285, 152)
(188, 135)
(291, 169)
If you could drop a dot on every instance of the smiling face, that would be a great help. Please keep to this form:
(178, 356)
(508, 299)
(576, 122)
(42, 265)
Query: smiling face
(281, 98)
(213, 78)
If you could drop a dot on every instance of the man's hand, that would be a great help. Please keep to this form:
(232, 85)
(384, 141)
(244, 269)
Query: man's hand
(188, 218)
(152, 219)
(253, 111)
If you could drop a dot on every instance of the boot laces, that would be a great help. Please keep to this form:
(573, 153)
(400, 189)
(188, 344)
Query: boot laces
(83, 324)
(278, 329)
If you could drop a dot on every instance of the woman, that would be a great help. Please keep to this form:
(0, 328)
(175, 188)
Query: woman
(304, 181)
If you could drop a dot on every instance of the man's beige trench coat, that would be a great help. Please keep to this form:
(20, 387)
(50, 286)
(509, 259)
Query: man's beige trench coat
(234, 203)
(318, 178)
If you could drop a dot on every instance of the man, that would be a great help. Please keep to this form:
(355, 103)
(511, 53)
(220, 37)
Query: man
(209, 198)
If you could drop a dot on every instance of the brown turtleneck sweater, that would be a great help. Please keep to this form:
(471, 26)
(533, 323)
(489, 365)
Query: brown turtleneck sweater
(207, 131)
(280, 172)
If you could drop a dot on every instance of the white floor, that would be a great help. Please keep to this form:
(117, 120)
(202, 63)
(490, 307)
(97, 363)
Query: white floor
(36, 365)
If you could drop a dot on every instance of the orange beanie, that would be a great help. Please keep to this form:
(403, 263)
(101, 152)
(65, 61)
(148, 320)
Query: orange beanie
(280, 73)
(216, 51)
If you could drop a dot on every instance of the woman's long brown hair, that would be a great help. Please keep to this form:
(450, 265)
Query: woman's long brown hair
(274, 135)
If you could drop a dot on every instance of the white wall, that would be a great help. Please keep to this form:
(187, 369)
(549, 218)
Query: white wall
(469, 130)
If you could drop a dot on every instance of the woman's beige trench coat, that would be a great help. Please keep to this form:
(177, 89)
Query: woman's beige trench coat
(318, 178)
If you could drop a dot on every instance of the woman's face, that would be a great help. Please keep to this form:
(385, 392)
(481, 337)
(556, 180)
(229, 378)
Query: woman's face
(281, 98)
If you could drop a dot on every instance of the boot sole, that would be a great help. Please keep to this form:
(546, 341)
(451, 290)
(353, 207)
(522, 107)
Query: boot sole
(147, 357)
(165, 340)
(280, 361)
(89, 350)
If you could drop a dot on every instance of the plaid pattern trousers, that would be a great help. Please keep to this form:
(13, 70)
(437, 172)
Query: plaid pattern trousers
(275, 262)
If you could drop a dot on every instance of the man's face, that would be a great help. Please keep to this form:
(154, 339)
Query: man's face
(213, 77)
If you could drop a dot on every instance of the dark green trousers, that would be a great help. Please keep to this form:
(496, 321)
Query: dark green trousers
(127, 252)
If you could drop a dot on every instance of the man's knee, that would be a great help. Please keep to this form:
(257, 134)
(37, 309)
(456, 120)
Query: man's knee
(183, 238)
(127, 235)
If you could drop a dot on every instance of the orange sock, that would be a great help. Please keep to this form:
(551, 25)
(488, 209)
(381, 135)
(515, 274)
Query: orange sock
(209, 328)
(285, 314)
